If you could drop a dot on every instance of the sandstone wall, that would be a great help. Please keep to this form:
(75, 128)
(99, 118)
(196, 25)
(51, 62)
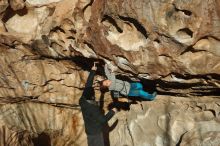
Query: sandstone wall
(48, 46)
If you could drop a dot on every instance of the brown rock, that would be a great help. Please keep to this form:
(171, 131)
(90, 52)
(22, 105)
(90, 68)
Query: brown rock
(47, 48)
(3, 5)
(49, 80)
(2, 27)
(27, 122)
(17, 4)
(28, 24)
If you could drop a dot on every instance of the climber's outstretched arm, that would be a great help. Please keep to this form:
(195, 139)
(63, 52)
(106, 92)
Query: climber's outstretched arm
(89, 82)
(109, 115)
(109, 75)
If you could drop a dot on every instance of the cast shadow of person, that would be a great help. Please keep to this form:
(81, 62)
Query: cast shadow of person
(42, 140)
(106, 129)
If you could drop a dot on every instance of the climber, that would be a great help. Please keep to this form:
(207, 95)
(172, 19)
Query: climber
(125, 88)
(93, 117)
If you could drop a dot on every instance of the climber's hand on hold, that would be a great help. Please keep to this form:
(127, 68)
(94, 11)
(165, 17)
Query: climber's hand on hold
(115, 109)
(94, 66)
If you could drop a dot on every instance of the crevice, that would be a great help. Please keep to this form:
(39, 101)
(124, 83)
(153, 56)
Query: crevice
(89, 4)
(18, 99)
(60, 105)
(71, 38)
(11, 45)
(90, 46)
(205, 76)
(181, 138)
(166, 55)
(157, 40)
(188, 49)
(57, 28)
(137, 24)
(212, 111)
(191, 49)
(208, 93)
(206, 37)
(72, 31)
(185, 32)
(129, 132)
(48, 81)
(113, 22)
(174, 88)
(142, 108)
(186, 12)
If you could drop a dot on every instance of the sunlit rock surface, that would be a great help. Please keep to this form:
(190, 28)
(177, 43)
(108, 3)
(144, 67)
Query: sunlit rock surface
(23, 124)
(171, 46)
(169, 122)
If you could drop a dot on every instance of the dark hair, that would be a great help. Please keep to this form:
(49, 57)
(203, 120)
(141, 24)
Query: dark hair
(103, 88)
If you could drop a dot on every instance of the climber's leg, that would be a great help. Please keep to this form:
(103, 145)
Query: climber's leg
(95, 140)
(145, 95)
(139, 86)
(133, 90)
(136, 85)
(142, 94)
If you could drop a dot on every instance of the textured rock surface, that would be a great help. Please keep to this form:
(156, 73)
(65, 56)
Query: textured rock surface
(26, 121)
(24, 76)
(171, 46)
(159, 123)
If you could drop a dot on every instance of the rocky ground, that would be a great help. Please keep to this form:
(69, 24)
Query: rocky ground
(48, 46)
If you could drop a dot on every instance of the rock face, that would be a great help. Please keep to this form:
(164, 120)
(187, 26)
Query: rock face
(48, 46)
(27, 124)
(176, 123)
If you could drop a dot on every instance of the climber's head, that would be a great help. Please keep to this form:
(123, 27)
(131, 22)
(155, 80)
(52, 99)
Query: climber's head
(106, 83)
